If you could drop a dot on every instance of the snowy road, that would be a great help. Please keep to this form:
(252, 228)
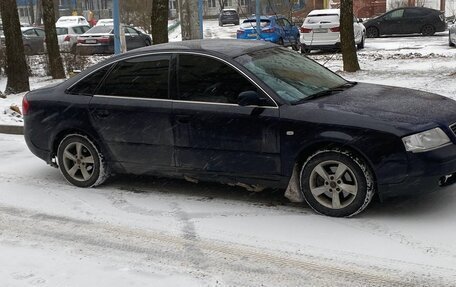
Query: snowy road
(142, 231)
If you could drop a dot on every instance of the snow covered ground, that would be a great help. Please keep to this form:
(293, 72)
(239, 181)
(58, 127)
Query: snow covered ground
(155, 232)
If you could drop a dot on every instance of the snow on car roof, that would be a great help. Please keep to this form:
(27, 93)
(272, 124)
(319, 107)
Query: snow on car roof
(325, 12)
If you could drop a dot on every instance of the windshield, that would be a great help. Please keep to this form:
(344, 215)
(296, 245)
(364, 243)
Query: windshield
(100, 30)
(292, 76)
(322, 18)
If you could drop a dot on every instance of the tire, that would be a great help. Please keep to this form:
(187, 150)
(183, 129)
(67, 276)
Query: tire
(372, 32)
(361, 44)
(80, 161)
(148, 43)
(305, 50)
(329, 192)
(297, 44)
(451, 44)
(28, 50)
(280, 42)
(220, 24)
(428, 30)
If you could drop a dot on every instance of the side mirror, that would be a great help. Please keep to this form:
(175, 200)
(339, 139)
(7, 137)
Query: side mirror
(360, 20)
(249, 98)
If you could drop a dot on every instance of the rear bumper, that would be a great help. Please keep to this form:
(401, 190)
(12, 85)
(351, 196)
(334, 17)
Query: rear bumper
(45, 155)
(321, 46)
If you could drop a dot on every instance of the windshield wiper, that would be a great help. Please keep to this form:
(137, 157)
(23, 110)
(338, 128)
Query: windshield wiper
(326, 92)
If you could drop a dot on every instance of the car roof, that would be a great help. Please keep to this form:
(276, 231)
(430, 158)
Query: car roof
(229, 9)
(324, 12)
(227, 47)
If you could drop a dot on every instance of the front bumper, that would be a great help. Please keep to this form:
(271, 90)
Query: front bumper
(427, 172)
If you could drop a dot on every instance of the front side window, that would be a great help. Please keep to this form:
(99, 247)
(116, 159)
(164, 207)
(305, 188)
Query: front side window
(141, 77)
(205, 79)
(292, 76)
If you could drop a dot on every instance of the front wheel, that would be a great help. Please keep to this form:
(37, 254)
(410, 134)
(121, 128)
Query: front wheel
(361, 44)
(280, 42)
(428, 30)
(336, 183)
(450, 43)
(80, 161)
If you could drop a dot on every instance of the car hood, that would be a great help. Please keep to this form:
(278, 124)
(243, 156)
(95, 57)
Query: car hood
(392, 109)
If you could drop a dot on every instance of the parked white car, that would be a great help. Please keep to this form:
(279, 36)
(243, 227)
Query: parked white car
(71, 20)
(321, 30)
(68, 36)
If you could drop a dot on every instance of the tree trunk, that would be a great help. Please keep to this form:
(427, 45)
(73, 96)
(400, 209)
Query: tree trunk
(189, 20)
(347, 39)
(39, 13)
(16, 66)
(31, 12)
(55, 61)
(159, 21)
(222, 4)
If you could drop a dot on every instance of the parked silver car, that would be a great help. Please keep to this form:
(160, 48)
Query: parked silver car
(68, 36)
(33, 39)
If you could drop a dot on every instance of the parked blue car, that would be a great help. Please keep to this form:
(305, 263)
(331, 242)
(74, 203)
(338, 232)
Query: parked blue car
(275, 29)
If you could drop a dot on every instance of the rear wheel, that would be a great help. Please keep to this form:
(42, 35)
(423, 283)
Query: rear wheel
(428, 30)
(280, 42)
(336, 182)
(296, 45)
(80, 161)
(372, 32)
(449, 41)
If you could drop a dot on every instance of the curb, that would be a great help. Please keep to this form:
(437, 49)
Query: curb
(12, 130)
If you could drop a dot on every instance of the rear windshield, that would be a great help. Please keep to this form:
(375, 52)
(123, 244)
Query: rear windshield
(100, 29)
(81, 29)
(322, 18)
(61, 31)
(229, 12)
(252, 23)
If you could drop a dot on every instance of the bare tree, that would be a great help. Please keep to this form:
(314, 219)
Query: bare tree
(55, 61)
(16, 66)
(159, 21)
(347, 38)
(39, 13)
(222, 4)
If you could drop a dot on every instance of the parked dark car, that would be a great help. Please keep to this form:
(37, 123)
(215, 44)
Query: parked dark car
(275, 29)
(228, 16)
(406, 20)
(100, 40)
(248, 113)
(33, 39)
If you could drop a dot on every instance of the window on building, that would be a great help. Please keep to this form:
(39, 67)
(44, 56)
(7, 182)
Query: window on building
(211, 3)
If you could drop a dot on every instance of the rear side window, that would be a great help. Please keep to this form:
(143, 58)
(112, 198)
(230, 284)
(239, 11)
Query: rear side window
(141, 77)
(414, 13)
(322, 18)
(40, 32)
(88, 85)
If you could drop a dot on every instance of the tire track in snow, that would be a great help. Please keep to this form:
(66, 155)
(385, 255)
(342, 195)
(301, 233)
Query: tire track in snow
(233, 264)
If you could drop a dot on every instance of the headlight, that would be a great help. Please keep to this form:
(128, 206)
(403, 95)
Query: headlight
(426, 140)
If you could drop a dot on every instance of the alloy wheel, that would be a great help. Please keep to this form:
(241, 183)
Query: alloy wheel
(78, 161)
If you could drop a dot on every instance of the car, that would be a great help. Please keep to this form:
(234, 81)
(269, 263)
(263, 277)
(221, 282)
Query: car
(71, 20)
(452, 34)
(321, 30)
(275, 29)
(247, 113)
(33, 39)
(407, 20)
(228, 16)
(105, 22)
(67, 36)
(100, 40)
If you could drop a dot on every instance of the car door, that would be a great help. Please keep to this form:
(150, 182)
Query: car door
(288, 32)
(131, 111)
(133, 39)
(393, 22)
(414, 20)
(31, 41)
(212, 132)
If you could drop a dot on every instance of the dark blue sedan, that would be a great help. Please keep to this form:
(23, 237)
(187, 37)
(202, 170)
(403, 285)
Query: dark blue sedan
(275, 29)
(247, 113)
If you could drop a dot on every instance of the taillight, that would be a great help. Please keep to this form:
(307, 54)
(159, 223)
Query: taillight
(240, 31)
(80, 40)
(270, 30)
(335, 29)
(67, 38)
(104, 39)
(25, 106)
(305, 30)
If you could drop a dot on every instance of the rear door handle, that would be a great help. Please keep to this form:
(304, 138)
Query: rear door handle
(101, 113)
